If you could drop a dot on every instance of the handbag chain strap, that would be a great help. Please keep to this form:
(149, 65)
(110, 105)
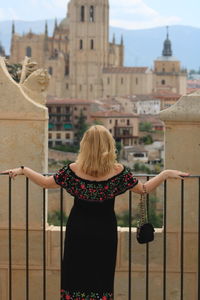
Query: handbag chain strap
(142, 207)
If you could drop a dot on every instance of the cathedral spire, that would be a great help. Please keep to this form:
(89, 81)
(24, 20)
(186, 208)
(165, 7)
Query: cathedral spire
(46, 28)
(113, 39)
(13, 27)
(56, 24)
(122, 40)
(167, 47)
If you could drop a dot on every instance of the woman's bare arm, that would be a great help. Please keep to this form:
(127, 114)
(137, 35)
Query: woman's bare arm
(37, 178)
(154, 182)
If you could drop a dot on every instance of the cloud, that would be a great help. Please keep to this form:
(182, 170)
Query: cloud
(130, 14)
(8, 14)
(135, 14)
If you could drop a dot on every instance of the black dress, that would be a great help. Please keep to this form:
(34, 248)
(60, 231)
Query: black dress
(90, 248)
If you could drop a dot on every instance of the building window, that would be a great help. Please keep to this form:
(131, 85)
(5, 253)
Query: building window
(108, 80)
(80, 87)
(122, 80)
(128, 122)
(67, 86)
(163, 69)
(84, 108)
(163, 82)
(58, 110)
(116, 122)
(91, 87)
(50, 135)
(66, 70)
(136, 81)
(58, 136)
(50, 70)
(50, 110)
(82, 13)
(81, 44)
(91, 16)
(110, 130)
(28, 51)
(110, 121)
(75, 108)
(92, 44)
(67, 135)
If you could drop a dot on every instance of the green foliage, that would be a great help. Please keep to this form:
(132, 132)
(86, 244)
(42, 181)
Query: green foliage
(118, 148)
(153, 217)
(14, 70)
(147, 139)
(81, 127)
(123, 219)
(138, 166)
(97, 122)
(54, 218)
(145, 126)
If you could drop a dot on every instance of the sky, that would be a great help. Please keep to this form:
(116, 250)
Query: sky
(129, 14)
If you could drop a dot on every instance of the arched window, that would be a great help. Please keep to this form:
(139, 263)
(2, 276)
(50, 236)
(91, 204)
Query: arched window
(28, 51)
(50, 70)
(163, 82)
(92, 44)
(66, 70)
(81, 44)
(91, 13)
(82, 16)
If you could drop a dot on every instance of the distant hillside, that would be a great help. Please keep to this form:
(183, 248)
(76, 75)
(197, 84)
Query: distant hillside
(142, 46)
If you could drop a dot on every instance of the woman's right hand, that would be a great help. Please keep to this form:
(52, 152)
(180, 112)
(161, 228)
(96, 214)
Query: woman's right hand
(175, 174)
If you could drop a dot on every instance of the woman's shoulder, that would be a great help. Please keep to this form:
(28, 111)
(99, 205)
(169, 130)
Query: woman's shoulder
(72, 166)
(118, 167)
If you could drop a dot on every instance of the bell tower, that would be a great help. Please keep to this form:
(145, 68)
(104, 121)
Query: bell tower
(88, 50)
(168, 74)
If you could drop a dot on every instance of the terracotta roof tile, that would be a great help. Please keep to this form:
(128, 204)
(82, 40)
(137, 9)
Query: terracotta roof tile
(125, 70)
(112, 113)
(68, 101)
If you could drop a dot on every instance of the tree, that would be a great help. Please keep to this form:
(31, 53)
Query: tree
(147, 139)
(145, 126)
(81, 127)
(118, 148)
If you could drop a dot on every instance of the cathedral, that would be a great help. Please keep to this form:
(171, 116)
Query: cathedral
(85, 65)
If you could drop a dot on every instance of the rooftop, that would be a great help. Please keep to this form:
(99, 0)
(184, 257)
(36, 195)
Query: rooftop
(68, 101)
(125, 70)
(113, 113)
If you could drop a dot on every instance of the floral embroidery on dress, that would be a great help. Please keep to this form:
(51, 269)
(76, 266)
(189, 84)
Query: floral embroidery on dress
(97, 191)
(66, 295)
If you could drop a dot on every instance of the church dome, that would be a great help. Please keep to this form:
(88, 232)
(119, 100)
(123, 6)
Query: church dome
(64, 24)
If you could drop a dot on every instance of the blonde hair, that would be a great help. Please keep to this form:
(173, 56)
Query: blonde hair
(97, 154)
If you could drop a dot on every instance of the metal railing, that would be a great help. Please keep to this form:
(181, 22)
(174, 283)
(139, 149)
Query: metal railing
(130, 292)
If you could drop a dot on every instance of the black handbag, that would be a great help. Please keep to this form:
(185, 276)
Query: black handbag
(145, 230)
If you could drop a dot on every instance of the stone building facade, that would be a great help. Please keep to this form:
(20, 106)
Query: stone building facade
(63, 117)
(85, 65)
(123, 126)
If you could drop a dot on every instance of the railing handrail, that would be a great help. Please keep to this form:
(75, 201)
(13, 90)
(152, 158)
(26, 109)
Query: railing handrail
(137, 175)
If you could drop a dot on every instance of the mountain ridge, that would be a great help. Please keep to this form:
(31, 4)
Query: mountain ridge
(142, 46)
